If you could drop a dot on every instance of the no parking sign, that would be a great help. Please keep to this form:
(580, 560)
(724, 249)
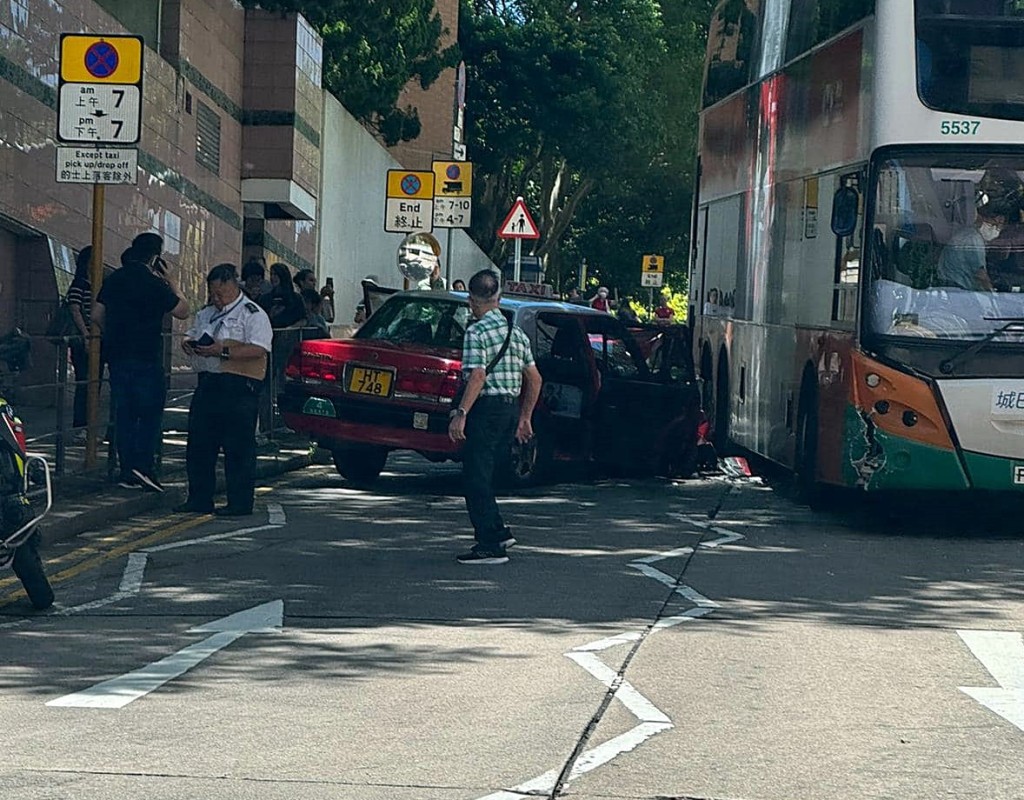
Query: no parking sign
(100, 92)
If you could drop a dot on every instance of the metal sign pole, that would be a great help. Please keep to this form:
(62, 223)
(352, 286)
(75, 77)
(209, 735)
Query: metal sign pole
(96, 281)
(519, 259)
(448, 261)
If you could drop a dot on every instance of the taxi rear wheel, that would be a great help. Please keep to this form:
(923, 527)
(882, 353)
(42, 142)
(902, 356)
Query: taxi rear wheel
(360, 464)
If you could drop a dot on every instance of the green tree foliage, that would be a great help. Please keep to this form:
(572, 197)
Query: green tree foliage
(372, 49)
(589, 110)
(648, 209)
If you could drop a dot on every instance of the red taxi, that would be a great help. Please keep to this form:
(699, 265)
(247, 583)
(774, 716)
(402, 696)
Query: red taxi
(391, 387)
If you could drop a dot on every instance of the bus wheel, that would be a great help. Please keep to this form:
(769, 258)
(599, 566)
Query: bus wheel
(805, 467)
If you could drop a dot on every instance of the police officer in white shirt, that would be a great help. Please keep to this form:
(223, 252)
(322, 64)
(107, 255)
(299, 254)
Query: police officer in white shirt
(229, 342)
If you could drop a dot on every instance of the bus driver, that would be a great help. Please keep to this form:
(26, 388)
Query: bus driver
(963, 261)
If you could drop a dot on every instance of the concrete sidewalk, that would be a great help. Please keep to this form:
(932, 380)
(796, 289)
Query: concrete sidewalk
(89, 502)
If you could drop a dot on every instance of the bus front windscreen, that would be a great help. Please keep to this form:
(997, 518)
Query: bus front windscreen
(970, 56)
(947, 247)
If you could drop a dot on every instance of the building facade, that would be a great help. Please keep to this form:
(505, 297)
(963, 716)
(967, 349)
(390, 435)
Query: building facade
(436, 105)
(229, 158)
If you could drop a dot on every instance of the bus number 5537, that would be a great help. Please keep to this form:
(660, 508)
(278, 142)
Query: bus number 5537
(955, 127)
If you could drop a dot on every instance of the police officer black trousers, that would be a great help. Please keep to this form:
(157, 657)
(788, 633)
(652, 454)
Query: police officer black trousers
(222, 415)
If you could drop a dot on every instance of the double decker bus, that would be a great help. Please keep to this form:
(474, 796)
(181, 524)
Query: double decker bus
(857, 270)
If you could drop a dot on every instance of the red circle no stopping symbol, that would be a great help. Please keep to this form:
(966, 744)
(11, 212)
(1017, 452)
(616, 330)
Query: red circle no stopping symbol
(101, 60)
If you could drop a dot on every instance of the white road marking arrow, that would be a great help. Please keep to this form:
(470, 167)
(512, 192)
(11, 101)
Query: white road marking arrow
(119, 692)
(1002, 654)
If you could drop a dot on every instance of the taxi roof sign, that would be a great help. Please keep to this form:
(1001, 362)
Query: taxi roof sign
(523, 289)
(100, 59)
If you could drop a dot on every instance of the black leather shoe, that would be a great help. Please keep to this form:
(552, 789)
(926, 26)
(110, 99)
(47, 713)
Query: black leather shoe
(192, 508)
(228, 511)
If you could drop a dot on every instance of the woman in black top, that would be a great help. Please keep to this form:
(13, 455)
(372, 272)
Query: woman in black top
(79, 300)
(282, 303)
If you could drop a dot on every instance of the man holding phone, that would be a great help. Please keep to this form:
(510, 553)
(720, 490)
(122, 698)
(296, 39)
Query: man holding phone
(229, 342)
(130, 311)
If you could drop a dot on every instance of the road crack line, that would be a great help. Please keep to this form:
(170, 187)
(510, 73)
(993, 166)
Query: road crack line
(650, 719)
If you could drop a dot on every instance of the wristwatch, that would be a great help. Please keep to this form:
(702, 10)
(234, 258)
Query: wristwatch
(457, 412)
(225, 353)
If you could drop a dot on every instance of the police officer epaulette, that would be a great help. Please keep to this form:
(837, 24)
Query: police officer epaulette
(251, 307)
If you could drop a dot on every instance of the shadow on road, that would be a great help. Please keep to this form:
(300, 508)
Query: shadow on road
(365, 573)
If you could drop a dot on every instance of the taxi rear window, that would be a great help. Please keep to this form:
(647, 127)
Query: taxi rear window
(431, 321)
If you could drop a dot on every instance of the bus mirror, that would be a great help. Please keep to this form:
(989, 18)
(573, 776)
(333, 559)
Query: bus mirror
(844, 211)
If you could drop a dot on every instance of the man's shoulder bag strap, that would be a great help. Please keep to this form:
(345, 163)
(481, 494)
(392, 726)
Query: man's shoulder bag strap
(502, 351)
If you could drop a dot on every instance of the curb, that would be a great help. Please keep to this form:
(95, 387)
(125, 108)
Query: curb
(89, 512)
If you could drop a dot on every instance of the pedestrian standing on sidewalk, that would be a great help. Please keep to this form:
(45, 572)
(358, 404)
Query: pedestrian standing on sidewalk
(496, 361)
(229, 340)
(282, 304)
(79, 300)
(254, 279)
(130, 311)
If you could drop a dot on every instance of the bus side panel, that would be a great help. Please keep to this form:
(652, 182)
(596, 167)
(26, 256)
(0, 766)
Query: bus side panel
(722, 262)
(832, 353)
(822, 109)
(761, 390)
(728, 136)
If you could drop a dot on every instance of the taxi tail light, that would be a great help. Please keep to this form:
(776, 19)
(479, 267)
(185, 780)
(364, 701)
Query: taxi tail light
(419, 384)
(450, 386)
(312, 369)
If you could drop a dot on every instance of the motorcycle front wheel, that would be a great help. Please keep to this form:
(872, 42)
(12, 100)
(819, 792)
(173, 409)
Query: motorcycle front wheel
(28, 566)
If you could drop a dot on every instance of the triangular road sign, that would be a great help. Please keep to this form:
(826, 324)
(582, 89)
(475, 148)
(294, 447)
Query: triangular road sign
(519, 224)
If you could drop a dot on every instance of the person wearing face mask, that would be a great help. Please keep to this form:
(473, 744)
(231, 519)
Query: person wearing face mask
(600, 301)
(962, 264)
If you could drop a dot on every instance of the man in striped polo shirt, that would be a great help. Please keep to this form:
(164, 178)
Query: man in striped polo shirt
(491, 413)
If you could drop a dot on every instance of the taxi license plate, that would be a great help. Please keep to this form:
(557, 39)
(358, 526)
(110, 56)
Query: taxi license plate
(374, 382)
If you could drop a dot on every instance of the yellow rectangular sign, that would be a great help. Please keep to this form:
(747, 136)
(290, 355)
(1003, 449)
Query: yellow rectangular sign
(406, 185)
(100, 59)
(654, 263)
(453, 179)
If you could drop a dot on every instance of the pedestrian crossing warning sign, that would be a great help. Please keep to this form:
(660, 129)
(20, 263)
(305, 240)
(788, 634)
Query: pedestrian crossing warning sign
(519, 224)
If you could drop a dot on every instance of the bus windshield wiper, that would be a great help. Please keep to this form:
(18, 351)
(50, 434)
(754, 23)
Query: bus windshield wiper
(1014, 324)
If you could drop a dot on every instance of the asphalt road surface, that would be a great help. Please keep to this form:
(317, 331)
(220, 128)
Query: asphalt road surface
(648, 639)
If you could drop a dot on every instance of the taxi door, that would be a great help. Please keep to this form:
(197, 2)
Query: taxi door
(634, 408)
(570, 386)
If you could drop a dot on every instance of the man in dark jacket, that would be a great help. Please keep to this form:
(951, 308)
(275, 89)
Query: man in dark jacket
(130, 311)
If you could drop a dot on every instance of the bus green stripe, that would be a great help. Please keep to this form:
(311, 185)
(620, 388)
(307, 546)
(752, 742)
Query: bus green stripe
(993, 472)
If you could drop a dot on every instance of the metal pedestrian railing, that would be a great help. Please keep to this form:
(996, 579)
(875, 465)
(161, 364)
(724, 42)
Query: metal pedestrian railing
(42, 388)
